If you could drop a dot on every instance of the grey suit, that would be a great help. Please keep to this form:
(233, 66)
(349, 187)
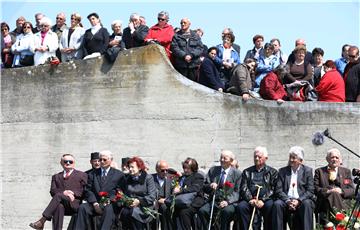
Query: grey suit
(227, 213)
(305, 188)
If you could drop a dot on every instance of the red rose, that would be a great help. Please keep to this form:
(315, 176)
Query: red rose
(103, 193)
(339, 216)
(119, 195)
(340, 227)
(293, 185)
(228, 184)
(356, 214)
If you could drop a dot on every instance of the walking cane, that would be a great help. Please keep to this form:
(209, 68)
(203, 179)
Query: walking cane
(212, 204)
(253, 213)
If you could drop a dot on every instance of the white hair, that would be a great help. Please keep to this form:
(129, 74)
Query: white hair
(106, 153)
(133, 16)
(45, 21)
(228, 153)
(262, 150)
(298, 151)
(333, 150)
(116, 22)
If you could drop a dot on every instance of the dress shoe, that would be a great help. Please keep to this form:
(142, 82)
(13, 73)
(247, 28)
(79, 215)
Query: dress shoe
(39, 225)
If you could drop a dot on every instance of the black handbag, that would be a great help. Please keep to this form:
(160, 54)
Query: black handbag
(182, 200)
(26, 60)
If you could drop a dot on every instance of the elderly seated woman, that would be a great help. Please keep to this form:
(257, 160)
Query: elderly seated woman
(272, 88)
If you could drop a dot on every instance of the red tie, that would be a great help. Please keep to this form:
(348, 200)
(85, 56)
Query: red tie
(67, 175)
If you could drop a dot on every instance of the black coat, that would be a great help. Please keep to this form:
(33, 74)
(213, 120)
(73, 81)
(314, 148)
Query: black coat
(163, 191)
(97, 42)
(209, 75)
(352, 84)
(194, 183)
(136, 39)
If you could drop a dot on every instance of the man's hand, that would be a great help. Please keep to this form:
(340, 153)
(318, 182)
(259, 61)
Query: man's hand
(246, 96)
(259, 204)
(188, 58)
(213, 186)
(161, 201)
(223, 204)
(69, 194)
(337, 190)
(176, 190)
(97, 208)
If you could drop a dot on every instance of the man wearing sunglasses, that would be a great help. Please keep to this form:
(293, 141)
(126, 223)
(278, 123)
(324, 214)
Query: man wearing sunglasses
(352, 76)
(103, 179)
(66, 190)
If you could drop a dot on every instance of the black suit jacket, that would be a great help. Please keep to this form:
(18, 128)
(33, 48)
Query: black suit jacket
(305, 183)
(75, 183)
(194, 183)
(234, 176)
(163, 191)
(114, 178)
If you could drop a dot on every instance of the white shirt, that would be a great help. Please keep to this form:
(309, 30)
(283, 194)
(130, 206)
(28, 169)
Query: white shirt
(226, 173)
(64, 173)
(161, 181)
(293, 188)
(106, 171)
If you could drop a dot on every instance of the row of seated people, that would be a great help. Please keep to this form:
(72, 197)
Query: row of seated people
(136, 199)
(76, 42)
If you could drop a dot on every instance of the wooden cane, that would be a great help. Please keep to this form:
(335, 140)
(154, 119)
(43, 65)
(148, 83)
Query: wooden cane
(253, 213)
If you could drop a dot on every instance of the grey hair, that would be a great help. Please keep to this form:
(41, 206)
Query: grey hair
(262, 150)
(116, 22)
(106, 153)
(133, 16)
(164, 13)
(333, 150)
(45, 21)
(228, 153)
(298, 151)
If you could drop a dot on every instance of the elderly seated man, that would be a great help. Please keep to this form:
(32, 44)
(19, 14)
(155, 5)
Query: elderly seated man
(333, 186)
(295, 193)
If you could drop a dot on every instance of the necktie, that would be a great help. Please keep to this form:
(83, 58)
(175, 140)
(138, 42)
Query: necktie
(222, 178)
(103, 176)
(67, 175)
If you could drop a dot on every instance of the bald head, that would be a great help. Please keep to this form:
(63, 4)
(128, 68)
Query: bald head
(161, 168)
(300, 41)
(185, 25)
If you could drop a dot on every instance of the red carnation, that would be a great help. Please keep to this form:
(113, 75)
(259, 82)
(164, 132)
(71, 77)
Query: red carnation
(228, 184)
(103, 194)
(339, 216)
(340, 227)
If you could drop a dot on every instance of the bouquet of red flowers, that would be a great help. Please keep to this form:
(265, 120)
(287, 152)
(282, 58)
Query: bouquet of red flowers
(341, 219)
(174, 183)
(122, 199)
(223, 195)
(104, 199)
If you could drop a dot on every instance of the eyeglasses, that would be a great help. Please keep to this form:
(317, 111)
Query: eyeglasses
(58, 18)
(162, 19)
(103, 159)
(69, 162)
(163, 170)
(73, 18)
(44, 25)
(27, 27)
(352, 56)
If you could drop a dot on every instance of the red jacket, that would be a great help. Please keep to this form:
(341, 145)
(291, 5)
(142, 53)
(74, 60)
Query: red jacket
(331, 87)
(162, 35)
(271, 88)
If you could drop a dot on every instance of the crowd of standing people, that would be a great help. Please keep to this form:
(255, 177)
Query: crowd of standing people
(304, 75)
(224, 197)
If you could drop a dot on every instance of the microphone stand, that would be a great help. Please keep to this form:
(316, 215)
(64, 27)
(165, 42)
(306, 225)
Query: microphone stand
(328, 135)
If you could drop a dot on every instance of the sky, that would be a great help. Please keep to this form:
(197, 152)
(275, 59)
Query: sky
(325, 24)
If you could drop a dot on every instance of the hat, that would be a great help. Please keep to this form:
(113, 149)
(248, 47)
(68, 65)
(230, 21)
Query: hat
(124, 160)
(95, 155)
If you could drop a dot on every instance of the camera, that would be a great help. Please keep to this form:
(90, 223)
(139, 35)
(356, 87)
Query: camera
(356, 172)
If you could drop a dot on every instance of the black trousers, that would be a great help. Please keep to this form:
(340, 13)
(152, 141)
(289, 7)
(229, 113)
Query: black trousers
(302, 219)
(226, 216)
(164, 218)
(86, 211)
(56, 209)
(244, 211)
(184, 218)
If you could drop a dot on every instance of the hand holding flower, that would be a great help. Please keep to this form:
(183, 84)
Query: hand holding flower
(135, 203)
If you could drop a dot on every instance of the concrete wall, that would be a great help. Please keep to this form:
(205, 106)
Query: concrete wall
(141, 106)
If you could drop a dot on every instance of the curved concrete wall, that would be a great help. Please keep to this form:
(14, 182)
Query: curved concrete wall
(141, 106)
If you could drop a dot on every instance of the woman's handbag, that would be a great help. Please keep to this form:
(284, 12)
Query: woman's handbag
(26, 60)
(182, 200)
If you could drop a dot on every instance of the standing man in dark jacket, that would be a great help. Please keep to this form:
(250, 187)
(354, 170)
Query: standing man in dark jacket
(163, 191)
(104, 179)
(216, 180)
(258, 175)
(186, 48)
(295, 193)
(135, 33)
(67, 192)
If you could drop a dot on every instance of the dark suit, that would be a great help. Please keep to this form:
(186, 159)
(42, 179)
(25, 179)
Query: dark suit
(213, 176)
(92, 189)
(326, 200)
(267, 178)
(305, 189)
(184, 216)
(163, 191)
(61, 204)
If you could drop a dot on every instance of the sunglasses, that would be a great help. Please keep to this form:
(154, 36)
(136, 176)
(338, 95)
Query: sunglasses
(161, 19)
(163, 170)
(352, 56)
(103, 159)
(57, 18)
(69, 162)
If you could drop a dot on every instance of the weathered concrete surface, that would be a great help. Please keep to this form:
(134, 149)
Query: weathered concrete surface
(141, 106)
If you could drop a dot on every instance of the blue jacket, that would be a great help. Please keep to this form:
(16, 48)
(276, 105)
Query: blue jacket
(219, 57)
(265, 66)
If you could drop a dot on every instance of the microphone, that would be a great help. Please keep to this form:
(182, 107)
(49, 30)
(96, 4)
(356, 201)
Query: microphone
(318, 137)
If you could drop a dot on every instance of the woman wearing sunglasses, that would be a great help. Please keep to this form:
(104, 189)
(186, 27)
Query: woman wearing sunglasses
(22, 48)
(161, 33)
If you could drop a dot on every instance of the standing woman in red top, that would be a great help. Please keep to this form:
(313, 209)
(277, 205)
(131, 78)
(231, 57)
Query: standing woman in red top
(161, 33)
